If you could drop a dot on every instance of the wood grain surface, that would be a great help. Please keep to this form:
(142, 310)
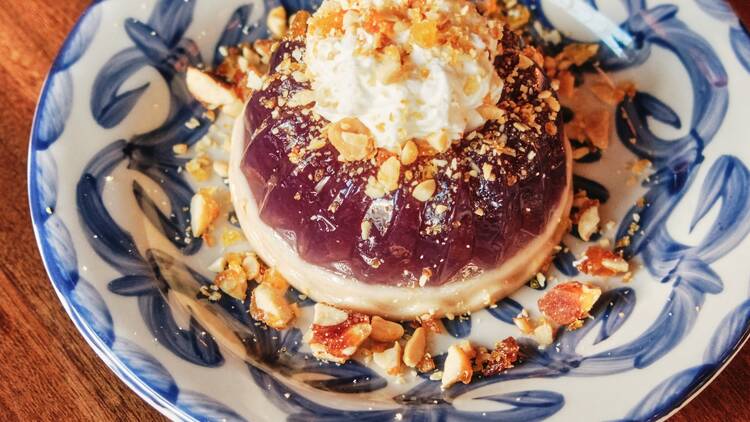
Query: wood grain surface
(47, 371)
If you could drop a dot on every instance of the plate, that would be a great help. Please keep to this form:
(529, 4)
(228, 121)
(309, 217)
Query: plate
(108, 201)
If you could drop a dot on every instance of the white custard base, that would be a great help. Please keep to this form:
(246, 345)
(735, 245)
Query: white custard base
(397, 303)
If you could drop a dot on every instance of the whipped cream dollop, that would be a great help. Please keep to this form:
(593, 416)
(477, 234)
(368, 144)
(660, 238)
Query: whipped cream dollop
(407, 69)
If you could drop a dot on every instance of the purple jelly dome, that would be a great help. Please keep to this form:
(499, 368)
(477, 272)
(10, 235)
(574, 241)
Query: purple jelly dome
(476, 220)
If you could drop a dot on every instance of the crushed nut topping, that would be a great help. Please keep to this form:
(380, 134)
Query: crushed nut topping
(601, 262)
(385, 331)
(351, 139)
(268, 304)
(501, 358)
(390, 359)
(457, 367)
(276, 22)
(204, 209)
(424, 191)
(208, 89)
(416, 348)
(337, 334)
(200, 167)
(568, 302)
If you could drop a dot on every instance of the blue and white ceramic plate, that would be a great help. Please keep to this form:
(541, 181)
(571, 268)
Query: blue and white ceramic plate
(108, 202)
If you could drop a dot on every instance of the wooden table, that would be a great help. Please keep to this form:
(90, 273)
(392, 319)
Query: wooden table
(47, 371)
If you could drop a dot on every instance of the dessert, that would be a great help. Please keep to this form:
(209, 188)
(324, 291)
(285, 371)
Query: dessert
(403, 159)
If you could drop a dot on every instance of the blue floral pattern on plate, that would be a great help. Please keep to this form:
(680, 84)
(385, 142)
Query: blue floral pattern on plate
(149, 274)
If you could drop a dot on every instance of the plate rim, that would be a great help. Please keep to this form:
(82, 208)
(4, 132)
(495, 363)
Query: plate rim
(141, 388)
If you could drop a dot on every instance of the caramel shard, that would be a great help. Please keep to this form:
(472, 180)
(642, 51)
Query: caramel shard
(337, 342)
(568, 302)
(598, 127)
(298, 24)
(424, 33)
(501, 358)
(601, 262)
(427, 364)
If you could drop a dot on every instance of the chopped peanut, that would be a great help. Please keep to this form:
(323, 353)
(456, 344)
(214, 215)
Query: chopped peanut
(439, 141)
(544, 333)
(588, 222)
(389, 359)
(409, 153)
(269, 305)
(200, 167)
(204, 209)
(424, 190)
(328, 316)
(233, 282)
(276, 21)
(415, 347)
(524, 323)
(207, 89)
(491, 112)
(221, 168)
(273, 277)
(390, 68)
(302, 98)
(352, 139)
(251, 265)
(385, 331)
(389, 173)
(180, 149)
(457, 366)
